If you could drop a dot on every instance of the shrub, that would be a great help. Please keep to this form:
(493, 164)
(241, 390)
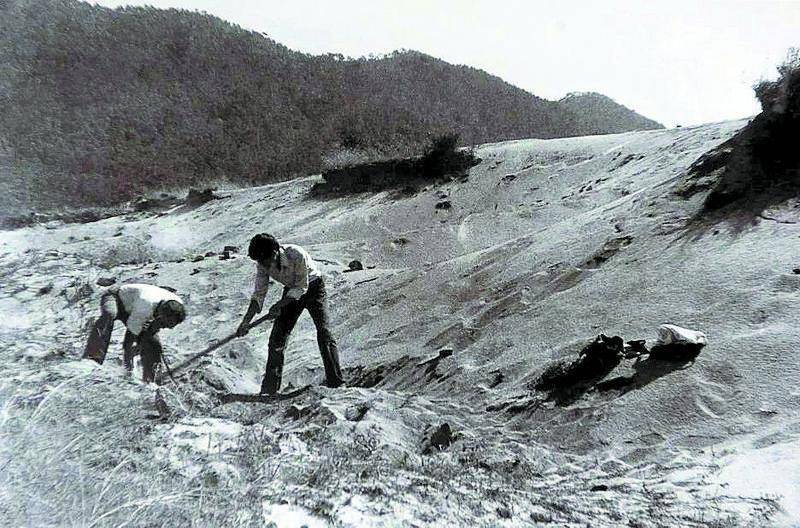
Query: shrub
(442, 160)
(782, 96)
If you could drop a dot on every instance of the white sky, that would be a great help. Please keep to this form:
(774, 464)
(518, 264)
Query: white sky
(675, 61)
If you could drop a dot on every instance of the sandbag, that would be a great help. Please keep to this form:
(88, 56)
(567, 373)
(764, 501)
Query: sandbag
(669, 334)
(677, 344)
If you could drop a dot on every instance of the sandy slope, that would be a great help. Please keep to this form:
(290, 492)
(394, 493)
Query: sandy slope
(546, 245)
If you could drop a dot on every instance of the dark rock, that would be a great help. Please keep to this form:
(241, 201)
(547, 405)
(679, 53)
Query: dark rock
(599, 487)
(676, 351)
(198, 197)
(226, 255)
(443, 205)
(497, 379)
(355, 265)
(441, 438)
(210, 253)
(503, 512)
(445, 352)
(231, 249)
(355, 413)
(635, 348)
(198, 258)
(295, 411)
(106, 281)
(44, 290)
(796, 271)
(567, 380)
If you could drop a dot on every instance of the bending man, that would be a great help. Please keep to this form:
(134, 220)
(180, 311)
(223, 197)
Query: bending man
(144, 310)
(304, 289)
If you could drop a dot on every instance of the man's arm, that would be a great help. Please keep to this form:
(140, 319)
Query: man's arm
(252, 310)
(256, 300)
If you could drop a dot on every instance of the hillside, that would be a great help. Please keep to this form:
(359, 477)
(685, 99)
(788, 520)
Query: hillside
(547, 244)
(109, 103)
(601, 115)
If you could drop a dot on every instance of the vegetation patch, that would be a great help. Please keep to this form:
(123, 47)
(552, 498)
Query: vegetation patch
(760, 166)
(443, 161)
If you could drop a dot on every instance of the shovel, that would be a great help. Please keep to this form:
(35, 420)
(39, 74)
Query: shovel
(213, 346)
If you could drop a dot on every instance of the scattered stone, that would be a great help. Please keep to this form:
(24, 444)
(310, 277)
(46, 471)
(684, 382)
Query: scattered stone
(231, 249)
(594, 362)
(443, 205)
(226, 255)
(497, 380)
(198, 258)
(356, 412)
(44, 290)
(441, 439)
(195, 271)
(295, 411)
(503, 512)
(106, 281)
(211, 253)
(635, 348)
(355, 265)
(509, 178)
(445, 352)
(796, 271)
(599, 487)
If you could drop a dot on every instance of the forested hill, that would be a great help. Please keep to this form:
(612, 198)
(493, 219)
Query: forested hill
(601, 115)
(100, 104)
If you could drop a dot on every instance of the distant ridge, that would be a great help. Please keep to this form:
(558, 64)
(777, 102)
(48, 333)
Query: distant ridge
(112, 102)
(602, 115)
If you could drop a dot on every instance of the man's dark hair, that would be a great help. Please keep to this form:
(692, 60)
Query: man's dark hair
(262, 247)
(173, 310)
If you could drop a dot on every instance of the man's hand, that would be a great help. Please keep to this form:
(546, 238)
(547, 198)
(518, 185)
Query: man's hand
(244, 326)
(150, 327)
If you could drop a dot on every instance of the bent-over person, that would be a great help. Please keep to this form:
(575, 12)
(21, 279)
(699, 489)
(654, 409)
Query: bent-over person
(144, 310)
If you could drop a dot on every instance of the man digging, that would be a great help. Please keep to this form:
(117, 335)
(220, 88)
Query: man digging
(144, 310)
(304, 289)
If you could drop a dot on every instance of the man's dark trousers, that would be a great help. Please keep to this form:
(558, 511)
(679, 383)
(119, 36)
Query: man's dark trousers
(315, 301)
